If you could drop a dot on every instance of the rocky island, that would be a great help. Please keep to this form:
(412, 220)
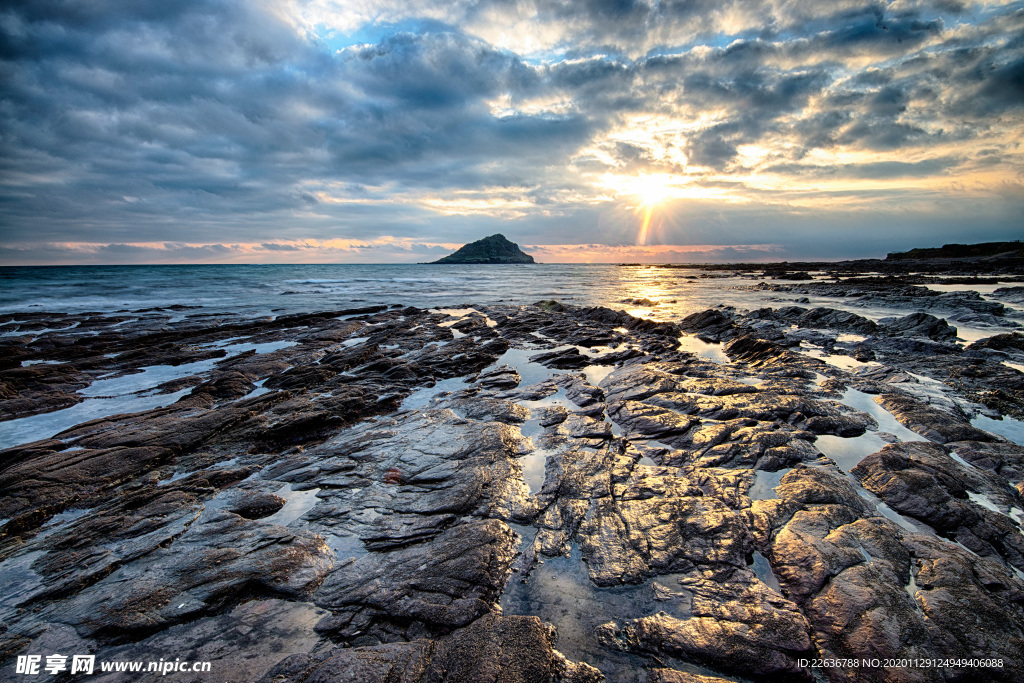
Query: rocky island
(542, 492)
(495, 249)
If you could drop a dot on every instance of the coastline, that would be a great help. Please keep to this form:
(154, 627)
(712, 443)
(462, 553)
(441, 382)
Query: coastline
(386, 489)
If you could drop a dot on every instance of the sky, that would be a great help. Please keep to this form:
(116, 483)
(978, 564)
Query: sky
(391, 131)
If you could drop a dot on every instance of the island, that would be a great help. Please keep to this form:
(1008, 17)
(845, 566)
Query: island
(495, 249)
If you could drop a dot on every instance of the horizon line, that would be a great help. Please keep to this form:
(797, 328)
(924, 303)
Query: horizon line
(681, 264)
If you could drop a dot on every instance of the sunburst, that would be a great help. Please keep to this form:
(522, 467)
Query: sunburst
(651, 190)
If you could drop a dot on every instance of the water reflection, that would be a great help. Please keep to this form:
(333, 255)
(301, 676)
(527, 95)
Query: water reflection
(642, 284)
(560, 592)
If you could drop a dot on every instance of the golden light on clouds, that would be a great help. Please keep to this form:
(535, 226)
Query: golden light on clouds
(651, 194)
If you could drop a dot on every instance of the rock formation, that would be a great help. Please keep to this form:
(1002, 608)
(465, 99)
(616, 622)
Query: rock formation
(495, 249)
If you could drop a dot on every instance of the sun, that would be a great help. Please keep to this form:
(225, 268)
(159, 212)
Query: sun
(648, 191)
(652, 190)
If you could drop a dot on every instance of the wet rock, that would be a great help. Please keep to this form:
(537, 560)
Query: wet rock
(243, 644)
(813, 486)
(515, 649)
(981, 320)
(504, 377)
(1011, 294)
(631, 525)
(580, 391)
(711, 325)
(813, 503)
(918, 325)
(839, 425)
(863, 614)
(914, 350)
(642, 390)
(443, 584)
(577, 426)
(760, 352)
(301, 378)
(848, 570)
(473, 324)
(639, 381)
(659, 534)
(639, 302)
(55, 478)
(931, 422)
(569, 359)
(402, 662)
(609, 318)
(642, 420)
(864, 354)
(474, 405)
(534, 392)
(890, 293)
(920, 480)
(825, 318)
(456, 359)
(673, 676)
(1005, 459)
(785, 275)
(1012, 344)
(738, 625)
(735, 438)
(444, 464)
(711, 386)
(216, 559)
(39, 389)
(551, 416)
(969, 604)
(231, 384)
(256, 504)
(761, 405)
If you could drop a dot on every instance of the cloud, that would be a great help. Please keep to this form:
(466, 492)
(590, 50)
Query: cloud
(270, 246)
(206, 125)
(874, 170)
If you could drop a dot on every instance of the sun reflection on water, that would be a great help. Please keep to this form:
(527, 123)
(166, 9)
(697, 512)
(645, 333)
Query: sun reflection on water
(641, 284)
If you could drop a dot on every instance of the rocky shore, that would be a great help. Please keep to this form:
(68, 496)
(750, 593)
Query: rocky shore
(517, 493)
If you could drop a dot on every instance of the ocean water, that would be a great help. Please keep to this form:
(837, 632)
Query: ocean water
(260, 289)
(673, 293)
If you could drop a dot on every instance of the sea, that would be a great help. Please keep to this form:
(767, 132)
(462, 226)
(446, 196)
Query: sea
(263, 289)
(663, 294)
